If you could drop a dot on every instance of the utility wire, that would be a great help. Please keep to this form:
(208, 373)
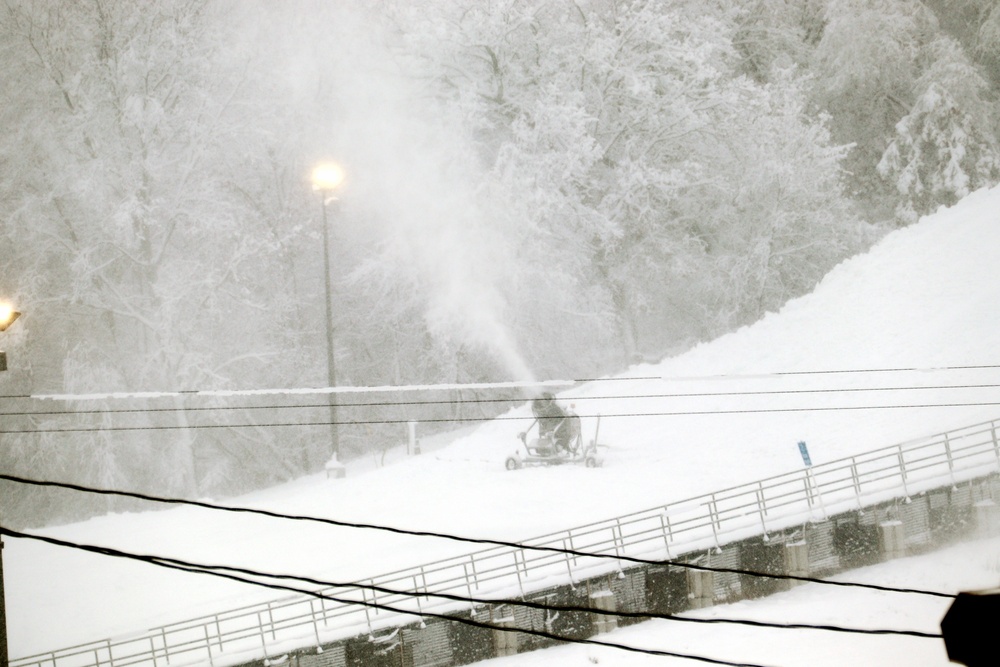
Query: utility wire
(468, 540)
(453, 420)
(197, 569)
(498, 385)
(465, 401)
(529, 604)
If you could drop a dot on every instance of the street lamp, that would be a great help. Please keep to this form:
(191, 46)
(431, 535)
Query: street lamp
(325, 179)
(7, 317)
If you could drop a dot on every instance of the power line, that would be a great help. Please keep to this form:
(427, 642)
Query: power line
(454, 420)
(529, 604)
(198, 569)
(465, 401)
(846, 371)
(458, 538)
(493, 385)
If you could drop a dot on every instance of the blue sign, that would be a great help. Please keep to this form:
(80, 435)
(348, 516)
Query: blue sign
(804, 451)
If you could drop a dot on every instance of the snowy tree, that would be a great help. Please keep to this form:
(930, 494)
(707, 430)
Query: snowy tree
(866, 64)
(945, 146)
(913, 101)
(786, 221)
(620, 133)
(130, 210)
(988, 43)
(769, 33)
(975, 24)
(535, 188)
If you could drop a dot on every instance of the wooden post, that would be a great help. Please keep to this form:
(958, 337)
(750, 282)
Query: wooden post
(893, 539)
(605, 601)
(701, 588)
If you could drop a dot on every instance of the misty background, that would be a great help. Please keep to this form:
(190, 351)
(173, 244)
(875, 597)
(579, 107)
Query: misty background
(534, 190)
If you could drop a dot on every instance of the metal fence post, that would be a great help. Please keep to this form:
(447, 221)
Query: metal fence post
(364, 599)
(312, 615)
(619, 538)
(902, 470)
(811, 477)
(713, 518)
(475, 573)
(416, 588)
(667, 531)
(857, 482)
(568, 558)
(208, 644)
(423, 577)
(761, 507)
(517, 570)
(996, 445)
(951, 461)
(263, 632)
(468, 579)
(218, 632)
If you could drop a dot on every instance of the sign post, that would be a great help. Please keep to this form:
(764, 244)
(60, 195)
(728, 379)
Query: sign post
(804, 451)
(812, 489)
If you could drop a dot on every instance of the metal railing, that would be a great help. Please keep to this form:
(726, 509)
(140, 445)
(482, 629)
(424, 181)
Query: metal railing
(666, 531)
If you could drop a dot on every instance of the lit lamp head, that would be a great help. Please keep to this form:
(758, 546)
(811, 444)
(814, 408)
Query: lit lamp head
(7, 316)
(327, 176)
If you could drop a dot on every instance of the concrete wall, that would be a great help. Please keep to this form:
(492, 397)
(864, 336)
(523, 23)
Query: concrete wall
(842, 542)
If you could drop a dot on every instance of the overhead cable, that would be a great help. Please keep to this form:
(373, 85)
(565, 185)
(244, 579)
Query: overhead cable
(455, 420)
(529, 604)
(196, 569)
(458, 538)
(473, 401)
(492, 385)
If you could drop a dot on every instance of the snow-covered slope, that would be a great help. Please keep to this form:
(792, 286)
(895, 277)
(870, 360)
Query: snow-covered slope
(895, 327)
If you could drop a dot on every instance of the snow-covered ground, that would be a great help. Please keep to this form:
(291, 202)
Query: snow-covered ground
(884, 350)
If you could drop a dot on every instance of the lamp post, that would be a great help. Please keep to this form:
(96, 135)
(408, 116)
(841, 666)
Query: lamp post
(7, 317)
(325, 179)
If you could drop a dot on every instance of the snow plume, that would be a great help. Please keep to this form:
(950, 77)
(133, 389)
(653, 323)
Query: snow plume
(414, 184)
(466, 311)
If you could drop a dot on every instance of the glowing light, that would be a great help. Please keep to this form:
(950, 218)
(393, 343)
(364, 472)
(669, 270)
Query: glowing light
(7, 315)
(327, 176)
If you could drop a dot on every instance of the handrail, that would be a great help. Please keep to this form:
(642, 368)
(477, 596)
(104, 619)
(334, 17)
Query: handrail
(663, 532)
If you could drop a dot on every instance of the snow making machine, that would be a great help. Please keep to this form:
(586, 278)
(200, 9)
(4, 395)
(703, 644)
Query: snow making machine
(559, 441)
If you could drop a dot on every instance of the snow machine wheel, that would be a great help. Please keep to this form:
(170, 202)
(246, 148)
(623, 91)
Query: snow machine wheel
(512, 463)
(590, 462)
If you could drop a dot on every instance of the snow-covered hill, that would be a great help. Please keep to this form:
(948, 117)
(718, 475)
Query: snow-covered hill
(883, 350)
